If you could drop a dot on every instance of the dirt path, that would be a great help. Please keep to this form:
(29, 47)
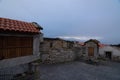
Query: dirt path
(80, 71)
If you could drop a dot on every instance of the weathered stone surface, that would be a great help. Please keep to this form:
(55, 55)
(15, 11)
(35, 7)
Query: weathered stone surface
(55, 50)
(56, 56)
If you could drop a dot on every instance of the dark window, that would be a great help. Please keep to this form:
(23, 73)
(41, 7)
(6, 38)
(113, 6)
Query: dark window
(51, 45)
(108, 54)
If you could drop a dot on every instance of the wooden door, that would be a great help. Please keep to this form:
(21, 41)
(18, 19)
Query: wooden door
(12, 47)
(90, 51)
(1, 47)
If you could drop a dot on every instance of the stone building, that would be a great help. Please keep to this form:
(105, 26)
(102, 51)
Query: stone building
(53, 43)
(87, 50)
(91, 49)
(54, 50)
(57, 50)
(19, 45)
(110, 52)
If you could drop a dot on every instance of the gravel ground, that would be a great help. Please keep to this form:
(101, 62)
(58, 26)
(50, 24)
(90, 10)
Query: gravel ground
(80, 71)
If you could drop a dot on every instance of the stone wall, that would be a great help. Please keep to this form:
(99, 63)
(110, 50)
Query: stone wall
(63, 51)
(78, 52)
(53, 44)
(57, 56)
(54, 50)
(9, 72)
(14, 70)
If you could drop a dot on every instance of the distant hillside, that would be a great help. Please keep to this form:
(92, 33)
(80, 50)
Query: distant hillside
(117, 45)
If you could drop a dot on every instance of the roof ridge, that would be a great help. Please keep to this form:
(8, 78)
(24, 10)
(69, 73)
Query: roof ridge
(15, 20)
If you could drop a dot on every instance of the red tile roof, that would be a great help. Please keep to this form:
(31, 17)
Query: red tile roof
(17, 26)
(81, 43)
(102, 45)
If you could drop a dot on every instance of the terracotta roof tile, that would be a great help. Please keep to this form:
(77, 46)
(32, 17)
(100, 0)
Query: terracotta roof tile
(102, 45)
(18, 26)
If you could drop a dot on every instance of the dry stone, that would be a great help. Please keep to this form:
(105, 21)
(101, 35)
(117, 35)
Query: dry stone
(56, 56)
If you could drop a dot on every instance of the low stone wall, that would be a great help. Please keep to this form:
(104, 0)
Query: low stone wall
(9, 72)
(6, 63)
(78, 52)
(114, 58)
(20, 72)
(14, 70)
(57, 56)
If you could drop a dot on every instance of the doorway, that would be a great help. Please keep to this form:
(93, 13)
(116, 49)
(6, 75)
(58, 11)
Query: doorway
(90, 51)
(108, 55)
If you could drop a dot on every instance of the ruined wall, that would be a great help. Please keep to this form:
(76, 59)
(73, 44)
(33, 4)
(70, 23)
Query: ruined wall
(55, 51)
(52, 44)
(56, 56)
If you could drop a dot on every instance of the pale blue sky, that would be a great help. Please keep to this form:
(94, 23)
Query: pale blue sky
(69, 19)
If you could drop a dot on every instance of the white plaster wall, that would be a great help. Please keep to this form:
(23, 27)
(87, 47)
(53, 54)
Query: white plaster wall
(41, 37)
(115, 52)
(36, 45)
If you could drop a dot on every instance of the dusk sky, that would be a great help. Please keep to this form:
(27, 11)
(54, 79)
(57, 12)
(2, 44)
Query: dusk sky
(69, 19)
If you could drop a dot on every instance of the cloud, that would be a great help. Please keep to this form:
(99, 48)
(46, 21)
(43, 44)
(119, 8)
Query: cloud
(81, 38)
